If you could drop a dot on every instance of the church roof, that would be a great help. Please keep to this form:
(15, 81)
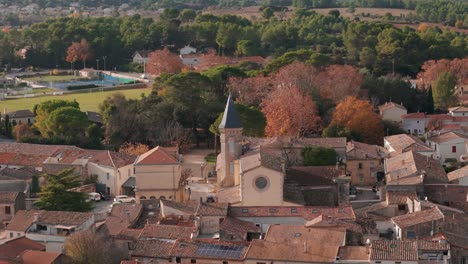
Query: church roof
(231, 117)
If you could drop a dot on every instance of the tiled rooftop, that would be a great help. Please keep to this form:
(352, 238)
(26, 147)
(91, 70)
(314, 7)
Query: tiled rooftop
(395, 250)
(416, 218)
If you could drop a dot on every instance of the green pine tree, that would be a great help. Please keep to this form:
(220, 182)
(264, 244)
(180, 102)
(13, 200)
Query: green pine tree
(55, 196)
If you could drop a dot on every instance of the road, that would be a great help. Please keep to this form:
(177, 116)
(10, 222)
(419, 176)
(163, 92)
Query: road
(102, 206)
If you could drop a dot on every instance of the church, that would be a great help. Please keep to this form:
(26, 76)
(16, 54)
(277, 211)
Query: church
(242, 179)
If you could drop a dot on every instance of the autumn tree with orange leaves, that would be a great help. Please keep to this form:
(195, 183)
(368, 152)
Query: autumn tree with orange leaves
(336, 82)
(290, 112)
(79, 51)
(431, 71)
(357, 116)
(163, 61)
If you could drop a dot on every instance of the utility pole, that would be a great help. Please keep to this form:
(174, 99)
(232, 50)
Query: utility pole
(104, 58)
(97, 64)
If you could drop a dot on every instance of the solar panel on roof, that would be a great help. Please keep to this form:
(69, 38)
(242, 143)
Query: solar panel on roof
(221, 251)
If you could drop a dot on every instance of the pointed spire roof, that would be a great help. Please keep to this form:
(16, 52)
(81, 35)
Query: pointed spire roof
(231, 117)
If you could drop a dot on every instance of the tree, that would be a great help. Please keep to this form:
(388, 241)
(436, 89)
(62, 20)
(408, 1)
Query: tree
(87, 247)
(337, 82)
(318, 156)
(444, 91)
(23, 130)
(65, 121)
(392, 128)
(133, 149)
(358, 116)
(429, 102)
(290, 112)
(432, 69)
(163, 61)
(267, 12)
(252, 120)
(79, 51)
(187, 15)
(55, 195)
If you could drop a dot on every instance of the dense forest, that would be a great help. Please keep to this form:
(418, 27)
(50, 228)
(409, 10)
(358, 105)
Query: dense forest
(331, 39)
(446, 11)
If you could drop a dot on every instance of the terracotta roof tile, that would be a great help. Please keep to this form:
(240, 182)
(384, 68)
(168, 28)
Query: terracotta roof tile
(212, 209)
(39, 257)
(168, 232)
(407, 169)
(237, 227)
(306, 212)
(188, 207)
(457, 174)
(287, 243)
(389, 105)
(229, 195)
(156, 156)
(457, 109)
(396, 197)
(357, 150)
(8, 197)
(121, 217)
(433, 245)
(394, 250)
(22, 220)
(413, 115)
(416, 218)
(446, 137)
(401, 142)
(153, 249)
(15, 247)
(356, 253)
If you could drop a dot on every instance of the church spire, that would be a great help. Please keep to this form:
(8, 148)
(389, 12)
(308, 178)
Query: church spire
(231, 117)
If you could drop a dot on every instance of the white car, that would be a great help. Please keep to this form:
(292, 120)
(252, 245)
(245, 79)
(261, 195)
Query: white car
(124, 199)
(94, 197)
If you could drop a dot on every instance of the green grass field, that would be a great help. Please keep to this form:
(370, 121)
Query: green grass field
(52, 78)
(88, 101)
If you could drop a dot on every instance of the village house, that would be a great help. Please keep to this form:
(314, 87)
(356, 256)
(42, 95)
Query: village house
(14, 247)
(158, 176)
(400, 143)
(409, 252)
(396, 203)
(265, 216)
(21, 117)
(10, 203)
(296, 244)
(413, 169)
(418, 224)
(48, 227)
(392, 111)
(365, 162)
(33, 257)
(353, 255)
(238, 230)
(458, 110)
(448, 145)
(141, 56)
(206, 216)
(419, 123)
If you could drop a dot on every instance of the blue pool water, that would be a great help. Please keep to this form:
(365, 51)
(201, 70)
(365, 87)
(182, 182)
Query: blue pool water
(106, 80)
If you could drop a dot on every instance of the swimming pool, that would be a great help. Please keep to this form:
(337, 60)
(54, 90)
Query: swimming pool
(106, 80)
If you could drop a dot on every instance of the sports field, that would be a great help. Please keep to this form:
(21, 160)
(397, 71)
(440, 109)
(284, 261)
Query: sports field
(87, 101)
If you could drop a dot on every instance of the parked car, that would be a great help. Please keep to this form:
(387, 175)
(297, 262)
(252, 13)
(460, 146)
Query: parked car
(94, 197)
(124, 199)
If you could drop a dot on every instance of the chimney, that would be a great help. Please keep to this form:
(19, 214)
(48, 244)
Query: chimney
(283, 166)
(305, 246)
(36, 217)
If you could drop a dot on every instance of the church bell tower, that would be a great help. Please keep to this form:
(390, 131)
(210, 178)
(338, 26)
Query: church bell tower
(230, 130)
